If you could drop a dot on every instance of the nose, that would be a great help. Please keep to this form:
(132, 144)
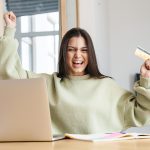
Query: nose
(77, 53)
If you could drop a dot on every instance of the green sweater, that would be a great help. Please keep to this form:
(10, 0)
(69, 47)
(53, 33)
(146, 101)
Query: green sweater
(81, 104)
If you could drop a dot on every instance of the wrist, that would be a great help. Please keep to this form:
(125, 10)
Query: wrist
(9, 31)
(145, 82)
(10, 26)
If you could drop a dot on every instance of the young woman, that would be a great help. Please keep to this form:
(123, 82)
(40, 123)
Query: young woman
(82, 100)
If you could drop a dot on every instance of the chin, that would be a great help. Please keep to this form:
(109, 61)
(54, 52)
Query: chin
(79, 73)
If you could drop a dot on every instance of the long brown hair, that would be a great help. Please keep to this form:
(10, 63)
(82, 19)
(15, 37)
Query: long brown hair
(92, 67)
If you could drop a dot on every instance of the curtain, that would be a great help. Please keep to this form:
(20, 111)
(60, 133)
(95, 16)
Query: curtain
(31, 7)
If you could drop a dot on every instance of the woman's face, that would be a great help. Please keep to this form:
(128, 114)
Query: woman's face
(77, 56)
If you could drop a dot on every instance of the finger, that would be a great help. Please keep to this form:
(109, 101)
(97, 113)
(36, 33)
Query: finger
(10, 16)
(147, 64)
(6, 14)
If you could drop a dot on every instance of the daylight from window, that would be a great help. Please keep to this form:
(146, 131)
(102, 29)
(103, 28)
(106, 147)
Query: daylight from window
(39, 36)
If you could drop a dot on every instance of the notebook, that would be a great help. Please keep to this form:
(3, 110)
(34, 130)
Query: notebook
(24, 111)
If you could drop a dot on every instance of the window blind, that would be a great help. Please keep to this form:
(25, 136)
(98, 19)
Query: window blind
(31, 7)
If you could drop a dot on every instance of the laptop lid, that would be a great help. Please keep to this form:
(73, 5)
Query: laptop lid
(24, 110)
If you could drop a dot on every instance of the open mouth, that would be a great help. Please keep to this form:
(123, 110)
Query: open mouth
(78, 62)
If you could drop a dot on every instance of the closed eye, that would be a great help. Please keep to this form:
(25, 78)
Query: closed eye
(71, 49)
(84, 49)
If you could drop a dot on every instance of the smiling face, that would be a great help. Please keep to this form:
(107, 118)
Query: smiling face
(77, 56)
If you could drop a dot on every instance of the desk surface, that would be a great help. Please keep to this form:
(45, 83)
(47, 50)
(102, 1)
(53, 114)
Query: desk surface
(139, 144)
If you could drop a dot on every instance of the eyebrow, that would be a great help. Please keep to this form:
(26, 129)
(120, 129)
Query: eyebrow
(75, 47)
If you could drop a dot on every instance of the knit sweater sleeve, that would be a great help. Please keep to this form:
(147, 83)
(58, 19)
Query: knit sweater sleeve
(10, 65)
(137, 109)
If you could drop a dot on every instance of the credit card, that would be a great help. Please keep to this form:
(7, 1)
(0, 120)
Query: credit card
(141, 53)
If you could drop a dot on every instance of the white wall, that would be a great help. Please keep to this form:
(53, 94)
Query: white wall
(93, 16)
(129, 26)
(117, 27)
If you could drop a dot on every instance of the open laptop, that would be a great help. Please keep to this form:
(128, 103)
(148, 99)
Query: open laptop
(24, 111)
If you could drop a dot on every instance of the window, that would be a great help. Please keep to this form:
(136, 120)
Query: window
(38, 36)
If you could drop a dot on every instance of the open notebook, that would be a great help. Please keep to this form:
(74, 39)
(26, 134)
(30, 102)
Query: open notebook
(24, 111)
(116, 136)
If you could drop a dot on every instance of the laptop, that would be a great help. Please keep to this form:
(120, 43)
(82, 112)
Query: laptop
(24, 111)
